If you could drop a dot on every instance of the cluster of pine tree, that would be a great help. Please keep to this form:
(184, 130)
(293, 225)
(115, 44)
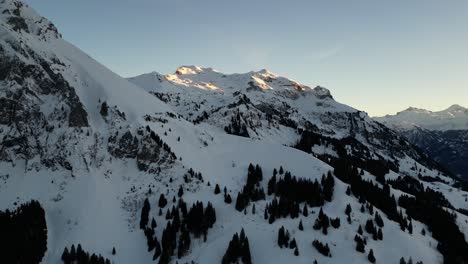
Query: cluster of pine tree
(227, 196)
(302, 190)
(321, 248)
(80, 256)
(191, 174)
(412, 186)
(426, 206)
(237, 126)
(452, 244)
(361, 247)
(410, 261)
(148, 231)
(322, 222)
(285, 241)
(281, 208)
(176, 236)
(200, 219)
(371, 229)
(293, 191)
(252, 191)
(238, 249)
(345, 168)
(359, 157)
(204, 116)
(371, 192)
(161, 143)
(23, 234)
(360, 243)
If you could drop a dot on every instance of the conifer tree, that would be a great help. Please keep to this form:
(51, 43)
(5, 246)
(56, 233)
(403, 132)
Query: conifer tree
(227, 198)
(245, 252)
(348, 209)
(360, 230)
(72, 253)
(378, 220)
(144, 214)
(181, 191)
(410, 227)
(371, 256)
(238, 248)
(240, 203)
(162, 201)
(271, 185)
(157, 251)
(66, 256)
(293, 244)
(301, 227)
(281, 237)
(360, 247)
(305, 211)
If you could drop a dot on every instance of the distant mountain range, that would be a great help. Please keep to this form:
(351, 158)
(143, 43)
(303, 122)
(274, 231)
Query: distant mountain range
(442, 134)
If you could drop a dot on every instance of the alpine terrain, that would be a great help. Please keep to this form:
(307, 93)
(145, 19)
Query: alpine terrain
(203, 167)
(443, 134)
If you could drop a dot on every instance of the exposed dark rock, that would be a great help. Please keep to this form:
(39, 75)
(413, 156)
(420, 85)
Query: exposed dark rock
(125, 146)
(78, 116)
(18, 23)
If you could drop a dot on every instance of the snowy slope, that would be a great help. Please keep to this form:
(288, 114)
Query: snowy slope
(89, 145)
(276, 109)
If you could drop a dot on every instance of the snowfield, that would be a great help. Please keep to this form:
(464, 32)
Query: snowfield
(137, 138)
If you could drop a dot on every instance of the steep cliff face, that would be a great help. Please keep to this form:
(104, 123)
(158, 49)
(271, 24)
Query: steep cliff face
(50, 100)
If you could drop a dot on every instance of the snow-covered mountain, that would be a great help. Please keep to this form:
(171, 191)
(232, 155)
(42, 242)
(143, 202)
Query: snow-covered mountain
(443, 135)
(453, 118)
(104, 157)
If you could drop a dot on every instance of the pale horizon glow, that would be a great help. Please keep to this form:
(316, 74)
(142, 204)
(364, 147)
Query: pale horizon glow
(377, 56)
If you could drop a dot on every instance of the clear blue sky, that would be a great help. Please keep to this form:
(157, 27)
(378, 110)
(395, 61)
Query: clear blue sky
(377, 56)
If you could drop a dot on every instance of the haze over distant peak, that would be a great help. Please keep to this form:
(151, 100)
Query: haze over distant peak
(454, 117)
